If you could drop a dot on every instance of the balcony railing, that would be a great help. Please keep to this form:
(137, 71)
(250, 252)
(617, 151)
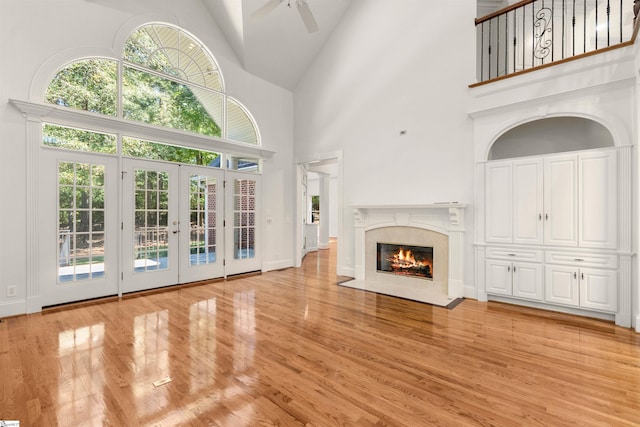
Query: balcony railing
(536, 33)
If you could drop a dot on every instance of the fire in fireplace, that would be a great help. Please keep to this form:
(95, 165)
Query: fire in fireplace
(405, 260)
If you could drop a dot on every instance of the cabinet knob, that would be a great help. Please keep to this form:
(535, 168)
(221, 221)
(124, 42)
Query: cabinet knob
(540, 217)
(578, 259)
(508, 269)
(546, 216)
(575, 275)
(582, 276)
(514, 268)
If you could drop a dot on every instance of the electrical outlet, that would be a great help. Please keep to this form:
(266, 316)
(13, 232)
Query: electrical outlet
(11, 291)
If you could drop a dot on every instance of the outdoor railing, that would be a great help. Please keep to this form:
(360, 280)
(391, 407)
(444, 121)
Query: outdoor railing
(536, 33)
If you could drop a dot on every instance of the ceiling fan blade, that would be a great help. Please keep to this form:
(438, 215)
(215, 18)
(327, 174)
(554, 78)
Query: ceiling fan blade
(266, 9)
(307, 16)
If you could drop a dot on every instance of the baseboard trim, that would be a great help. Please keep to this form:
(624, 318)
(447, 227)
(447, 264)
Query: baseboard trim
(638, 323)
(469, 292)
(557, 308)
(12, 308)
(346, 271)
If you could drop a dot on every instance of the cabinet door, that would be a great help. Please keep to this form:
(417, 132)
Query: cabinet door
(597, 225)
(527, 201)
(598, 289)
(561, 284)
(499, 202)
(499, 277)
(561, 200)
(527, 280)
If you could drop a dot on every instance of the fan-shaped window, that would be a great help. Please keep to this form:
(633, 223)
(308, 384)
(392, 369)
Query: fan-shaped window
(168, 79)
(240, 126)
(171, 51)
(89, 85)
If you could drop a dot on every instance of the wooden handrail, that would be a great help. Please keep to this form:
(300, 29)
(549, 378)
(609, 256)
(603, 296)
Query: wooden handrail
(503, 11)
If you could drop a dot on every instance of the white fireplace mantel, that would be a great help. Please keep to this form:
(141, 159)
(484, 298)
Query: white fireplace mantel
(444, 218)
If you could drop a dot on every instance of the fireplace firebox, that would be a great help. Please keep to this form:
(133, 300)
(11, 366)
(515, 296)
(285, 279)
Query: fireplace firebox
(405, 260)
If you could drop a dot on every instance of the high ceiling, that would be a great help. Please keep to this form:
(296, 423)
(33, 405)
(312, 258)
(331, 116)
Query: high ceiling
(277, 46)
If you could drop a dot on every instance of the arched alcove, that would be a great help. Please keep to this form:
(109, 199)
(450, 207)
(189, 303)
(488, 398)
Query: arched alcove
(551, 135)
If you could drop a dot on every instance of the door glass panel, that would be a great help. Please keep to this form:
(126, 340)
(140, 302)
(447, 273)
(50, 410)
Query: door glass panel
(202, 214)
(81, 225)
(244, 204)
(151, 235)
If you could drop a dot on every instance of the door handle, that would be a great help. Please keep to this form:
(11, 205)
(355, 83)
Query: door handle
(514, 268)
(176, 231)
(575, 275)
(508, 269)
(546, 216)
(582, 276)
(540, 217)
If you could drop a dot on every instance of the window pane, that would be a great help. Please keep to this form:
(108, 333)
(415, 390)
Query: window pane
(244, 218)
(150, 242)
(240, 126)
(159, 101)
(243, 164)
(79, 140)
(202, 212)
(81, 222)
(89, 85)
(173, 52)
(132, 147)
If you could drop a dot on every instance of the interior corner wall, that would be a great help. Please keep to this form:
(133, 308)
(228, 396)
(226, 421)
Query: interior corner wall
(33, 31)
(389, 89)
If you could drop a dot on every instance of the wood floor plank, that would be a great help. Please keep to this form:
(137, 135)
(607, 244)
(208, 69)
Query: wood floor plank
(292, 348)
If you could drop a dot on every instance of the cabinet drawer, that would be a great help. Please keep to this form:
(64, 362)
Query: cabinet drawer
(514, 254)
(581, 259)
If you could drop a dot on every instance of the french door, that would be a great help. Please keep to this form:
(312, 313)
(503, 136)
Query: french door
(242, 231)
(173, 218)
(150, 225)
(146, 225)
(78, 226)
(201, 220)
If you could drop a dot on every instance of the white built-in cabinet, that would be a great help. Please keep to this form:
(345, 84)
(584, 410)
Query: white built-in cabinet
(514, 201)
(560, 200)
(551, 229)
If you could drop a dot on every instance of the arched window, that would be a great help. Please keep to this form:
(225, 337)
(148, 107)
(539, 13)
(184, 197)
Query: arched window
(89, 85)
(169, 79)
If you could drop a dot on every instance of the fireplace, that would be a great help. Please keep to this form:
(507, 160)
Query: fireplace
(405, 260)
(433, 234)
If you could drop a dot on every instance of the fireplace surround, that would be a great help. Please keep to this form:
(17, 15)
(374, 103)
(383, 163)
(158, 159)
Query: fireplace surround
(440, 226)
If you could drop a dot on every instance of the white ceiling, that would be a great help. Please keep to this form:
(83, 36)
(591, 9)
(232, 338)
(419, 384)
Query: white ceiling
(276, 47)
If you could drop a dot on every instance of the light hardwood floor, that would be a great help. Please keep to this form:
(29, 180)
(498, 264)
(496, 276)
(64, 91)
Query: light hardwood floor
(292, 348)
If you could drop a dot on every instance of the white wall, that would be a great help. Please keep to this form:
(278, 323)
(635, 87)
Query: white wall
(394, 66)
(34, 31)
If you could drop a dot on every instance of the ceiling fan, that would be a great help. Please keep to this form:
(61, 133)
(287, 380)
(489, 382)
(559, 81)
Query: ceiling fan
(301, 5)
